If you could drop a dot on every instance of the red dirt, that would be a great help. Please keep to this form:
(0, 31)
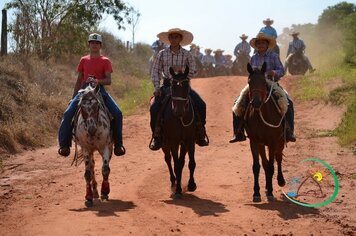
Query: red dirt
(41, 194)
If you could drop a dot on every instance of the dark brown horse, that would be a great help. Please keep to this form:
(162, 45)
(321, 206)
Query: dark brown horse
(179, 131)
(263, 127)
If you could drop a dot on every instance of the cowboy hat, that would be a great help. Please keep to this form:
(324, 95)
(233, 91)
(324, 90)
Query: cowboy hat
(261, 36)
(218, 50)
(187, 37)
(208, 50)
(243, 36)
(267, 20)
(294, 33)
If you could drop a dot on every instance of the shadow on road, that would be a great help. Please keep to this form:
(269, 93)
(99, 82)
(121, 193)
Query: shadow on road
(202, 207)
(286, 210)
(107, 208)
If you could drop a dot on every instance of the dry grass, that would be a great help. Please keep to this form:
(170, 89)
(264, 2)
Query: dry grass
(34, 93)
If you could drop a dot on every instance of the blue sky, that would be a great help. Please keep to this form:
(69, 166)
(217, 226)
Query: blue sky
(216, 24)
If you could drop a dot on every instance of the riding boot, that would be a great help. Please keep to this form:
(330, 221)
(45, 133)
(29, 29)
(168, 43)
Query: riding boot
(201, 140)
(290, 124)
(156, 114)
(239, 131)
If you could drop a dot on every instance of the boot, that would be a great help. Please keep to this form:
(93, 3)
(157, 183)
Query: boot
(290, 135)
(119, 150)
(201, 141)
(239, 133)
(64, 151)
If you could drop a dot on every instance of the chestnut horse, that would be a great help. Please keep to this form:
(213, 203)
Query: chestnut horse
(263, 123)
(92, 132)
(179, 131)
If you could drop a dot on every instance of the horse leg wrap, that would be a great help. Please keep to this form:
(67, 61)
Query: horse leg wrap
(105, 187)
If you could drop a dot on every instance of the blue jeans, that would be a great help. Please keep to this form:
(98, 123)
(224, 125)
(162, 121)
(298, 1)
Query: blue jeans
(65, 129)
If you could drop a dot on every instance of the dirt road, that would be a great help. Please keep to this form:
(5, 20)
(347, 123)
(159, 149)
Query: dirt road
(41, 194)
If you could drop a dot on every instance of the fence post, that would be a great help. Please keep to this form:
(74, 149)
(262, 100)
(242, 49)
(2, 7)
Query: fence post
(4, 33)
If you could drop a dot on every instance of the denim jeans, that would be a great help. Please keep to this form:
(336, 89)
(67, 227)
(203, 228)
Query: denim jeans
(65, 129)
(156, 106)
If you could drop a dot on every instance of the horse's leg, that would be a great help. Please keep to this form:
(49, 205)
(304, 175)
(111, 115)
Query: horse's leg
(191, 184)
(94, 183)
(105, 186)
(168, 159)
(279, 157)
(177, 170)
(88, 175)
(256, 171)
(262, 151)
(270, 170)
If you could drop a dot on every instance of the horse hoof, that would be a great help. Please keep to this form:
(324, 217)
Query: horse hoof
(256, 199)
(104, 197)
(178, 196)
(89, 203)
(95, 194)
(270, 198)
(192, 187)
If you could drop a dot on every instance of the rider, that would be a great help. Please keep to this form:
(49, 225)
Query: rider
(243, 48)
(208, 59)
(297, 45)
(274, 72)
(178, 58)
(270, 31)
(100, 67)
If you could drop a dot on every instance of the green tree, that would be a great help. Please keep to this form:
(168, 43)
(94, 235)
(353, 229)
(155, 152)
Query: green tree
(348, 26)
(334, 14)
(56, 27)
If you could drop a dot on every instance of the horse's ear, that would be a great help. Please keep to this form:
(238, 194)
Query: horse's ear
(264, 66)
(249, 68)
(186, 71)
(171, 71)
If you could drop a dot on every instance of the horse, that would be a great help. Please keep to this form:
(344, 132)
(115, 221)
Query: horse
(297, 64)
(263, 123)
(179, 131)
(239, 65)
(93, 133)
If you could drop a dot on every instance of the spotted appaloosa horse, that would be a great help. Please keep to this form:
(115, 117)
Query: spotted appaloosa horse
(92, 132)
(263, 126)
(179, 131)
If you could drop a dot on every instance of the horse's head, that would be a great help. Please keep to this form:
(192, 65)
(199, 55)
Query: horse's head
(89, 108)
(180, 88)
(257, 86)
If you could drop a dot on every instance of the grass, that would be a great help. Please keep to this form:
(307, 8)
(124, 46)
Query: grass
(336, 85)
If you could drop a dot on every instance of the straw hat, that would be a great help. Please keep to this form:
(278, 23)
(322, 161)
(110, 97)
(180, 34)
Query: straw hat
(268, 20)
(294, 33)
(193, 45)
(218, 50)
(187, 37)
(243, 36)
(208, 50)
(261, 36)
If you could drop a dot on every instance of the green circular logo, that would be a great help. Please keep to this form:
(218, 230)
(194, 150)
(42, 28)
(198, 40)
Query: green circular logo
(316, 177)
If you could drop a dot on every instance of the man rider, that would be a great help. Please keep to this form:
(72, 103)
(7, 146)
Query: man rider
(297, 45)
(178, 58)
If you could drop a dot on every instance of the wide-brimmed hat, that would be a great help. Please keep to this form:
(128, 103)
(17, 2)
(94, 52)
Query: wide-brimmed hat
(218, 50)
(243, 36)
(208, 50)
(193, 45)
(294, 33)
(187, 37)
(268, 20)
(228, 56)
(261, 36)
(95, 37)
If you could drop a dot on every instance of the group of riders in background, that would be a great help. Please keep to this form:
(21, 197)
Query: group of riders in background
(220, 64)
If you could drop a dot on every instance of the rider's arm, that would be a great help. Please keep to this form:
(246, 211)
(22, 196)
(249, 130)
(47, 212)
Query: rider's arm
(278, 68)
(192, 66)
(157, 67)
(106, 80)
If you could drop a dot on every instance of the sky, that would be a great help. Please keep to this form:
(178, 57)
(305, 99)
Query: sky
(215, 24)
